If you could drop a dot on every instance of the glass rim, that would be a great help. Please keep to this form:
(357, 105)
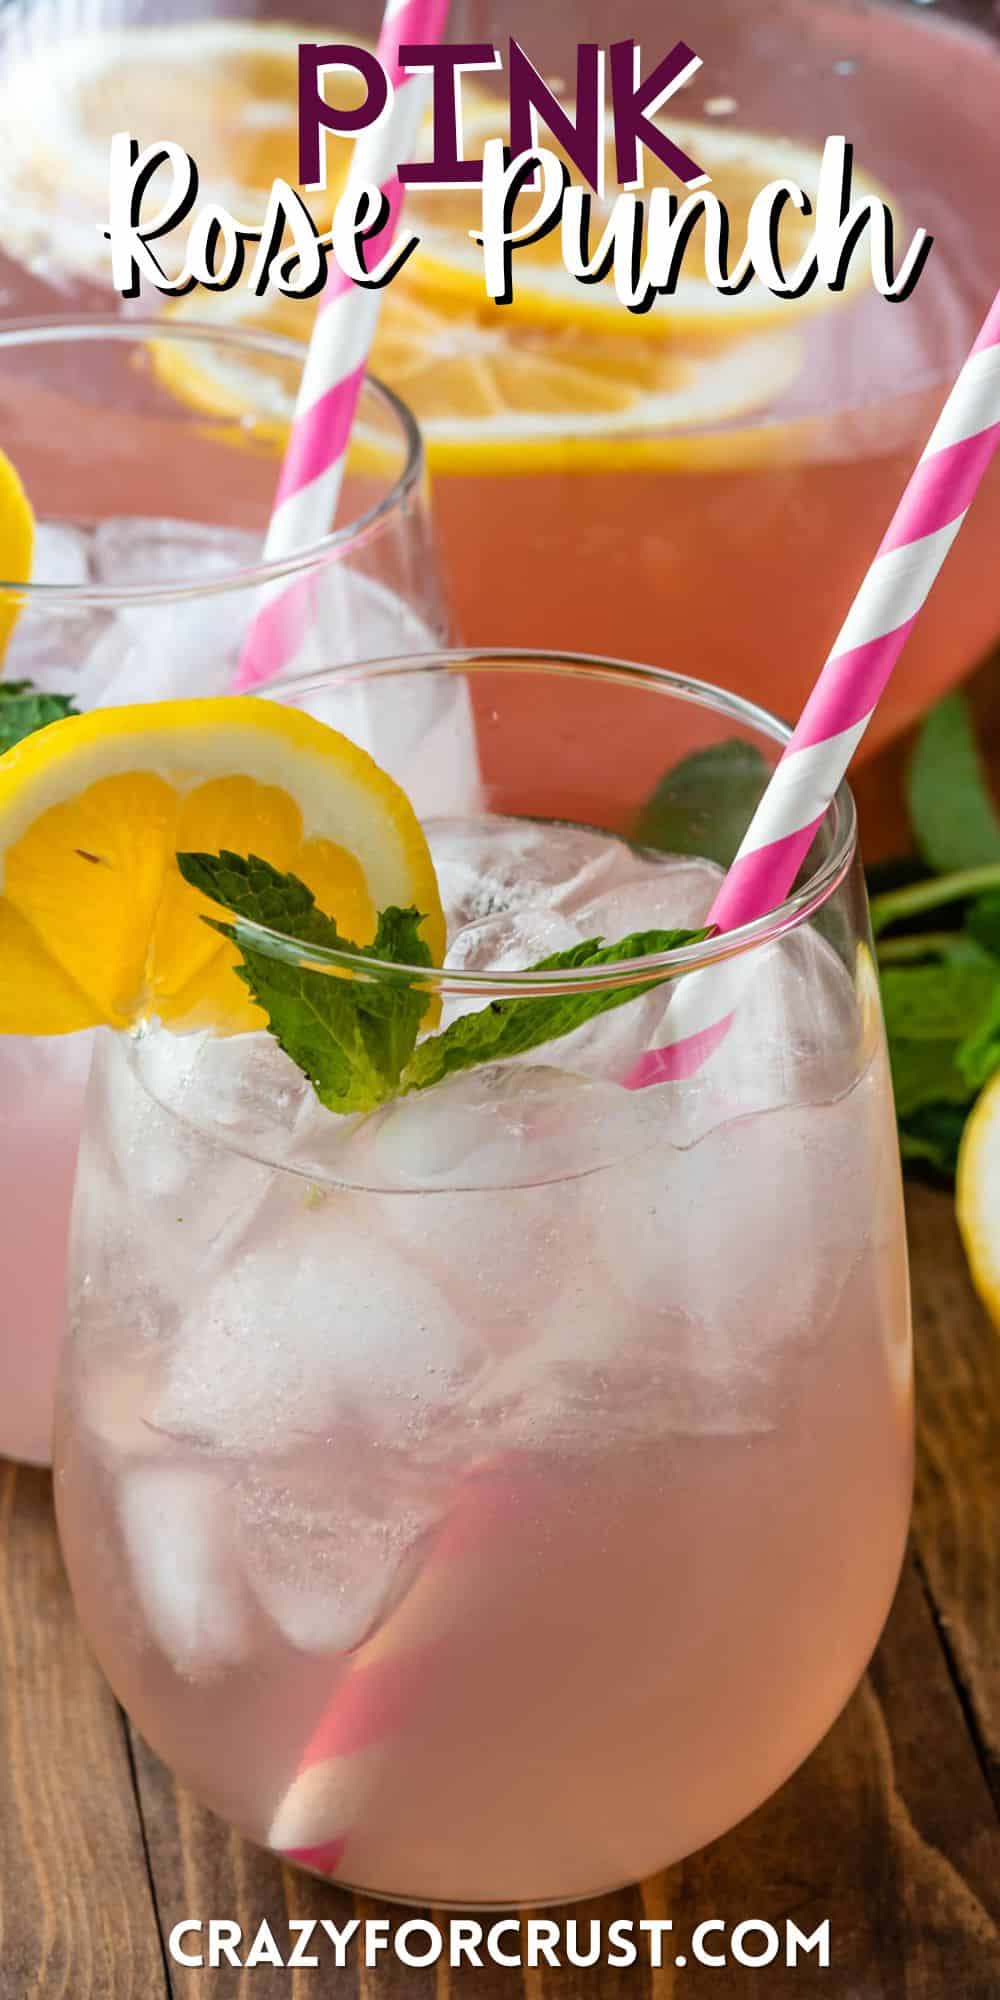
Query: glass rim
(49, 331)
(824, 879)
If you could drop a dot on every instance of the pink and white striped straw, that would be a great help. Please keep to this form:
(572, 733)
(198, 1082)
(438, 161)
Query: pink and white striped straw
(845, 696)
(313, 470)
(378, 1697)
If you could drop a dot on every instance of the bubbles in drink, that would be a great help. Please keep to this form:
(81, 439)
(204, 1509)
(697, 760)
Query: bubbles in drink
(404, 1393)
(324, 1557)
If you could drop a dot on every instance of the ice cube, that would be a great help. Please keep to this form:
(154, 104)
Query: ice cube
(158, 1204)
(134, 550)
(503, 1127)
(726, 1252)
(419, 727)
(317, 1320)
(113, 1388)
(176, 647)
(510, 942)
(516, 892)
(110, 658)
(358, 619)
(650, 892)
(609, 1045)
(488, 865)
(240, 1089)
(795, 1032)
(504, 1155)
(51, 639)
(173, 651)
(62, 554)
(326, 1565)
(178, 1527)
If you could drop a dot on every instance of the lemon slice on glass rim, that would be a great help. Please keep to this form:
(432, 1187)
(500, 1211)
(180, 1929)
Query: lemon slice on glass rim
(17, 540)
(97, 926)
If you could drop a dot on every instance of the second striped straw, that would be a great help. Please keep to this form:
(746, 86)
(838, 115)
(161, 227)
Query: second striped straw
(843, 701)
(312, 473)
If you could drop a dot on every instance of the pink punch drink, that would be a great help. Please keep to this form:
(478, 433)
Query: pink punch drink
(493, 1499)
(148, 577)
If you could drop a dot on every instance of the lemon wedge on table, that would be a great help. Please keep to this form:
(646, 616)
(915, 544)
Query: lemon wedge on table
(17, 539)
(97, 926)
(977, 1196)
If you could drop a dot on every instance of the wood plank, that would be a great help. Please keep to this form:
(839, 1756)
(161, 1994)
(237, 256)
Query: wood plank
(76, 1910)
(888, 1831)
(957, 1511)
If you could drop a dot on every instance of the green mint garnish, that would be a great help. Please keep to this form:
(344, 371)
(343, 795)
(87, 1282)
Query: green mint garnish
(355, 1037)
(935, 913)
(351, 1036)
(23, 709)
(705, 804)
(512, 1027)
(938, 940)
(955, 822)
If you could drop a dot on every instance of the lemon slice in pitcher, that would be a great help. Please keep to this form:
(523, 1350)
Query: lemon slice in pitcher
(449, 264)
(227, 91)
(17, 539)
(97, 925)
(496, 395)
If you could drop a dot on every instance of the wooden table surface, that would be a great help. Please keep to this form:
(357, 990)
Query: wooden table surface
(891, 1830)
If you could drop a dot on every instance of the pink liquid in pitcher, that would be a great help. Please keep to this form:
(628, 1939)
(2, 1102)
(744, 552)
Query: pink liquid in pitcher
(737, 559)
(728, 547)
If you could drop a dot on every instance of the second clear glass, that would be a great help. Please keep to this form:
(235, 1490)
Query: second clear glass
(147, 580)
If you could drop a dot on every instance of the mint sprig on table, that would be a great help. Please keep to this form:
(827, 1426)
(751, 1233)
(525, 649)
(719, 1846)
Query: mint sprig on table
(355, 1036)
(937, 935)
(935, 913)
(24, 708)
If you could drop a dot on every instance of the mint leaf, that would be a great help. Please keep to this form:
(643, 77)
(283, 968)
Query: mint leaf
(925, 1073)
(944, 1028)
(983, 924)
(937, 1002)
(510, 1027)
(350, 1035)
(355, 1037)
(954, 817)
(23, 709)
(705, 804)
(978, 1057)
(931, 1137)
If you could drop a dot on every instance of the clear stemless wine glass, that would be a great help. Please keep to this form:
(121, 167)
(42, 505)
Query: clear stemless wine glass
(147, 580)
(492, 1498)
